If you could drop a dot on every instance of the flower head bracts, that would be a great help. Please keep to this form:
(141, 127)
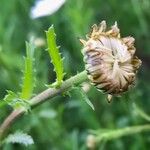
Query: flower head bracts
(110, 60)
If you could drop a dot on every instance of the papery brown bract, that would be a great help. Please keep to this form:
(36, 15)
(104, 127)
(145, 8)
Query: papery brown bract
(110, 60)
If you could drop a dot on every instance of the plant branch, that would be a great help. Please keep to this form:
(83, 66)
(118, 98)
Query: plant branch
(117, 133)
(41, 98)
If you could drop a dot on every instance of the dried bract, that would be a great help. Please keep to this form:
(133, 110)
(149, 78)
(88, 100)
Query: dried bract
(110, 60)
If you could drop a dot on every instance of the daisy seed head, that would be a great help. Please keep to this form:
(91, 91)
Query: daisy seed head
(110, 60)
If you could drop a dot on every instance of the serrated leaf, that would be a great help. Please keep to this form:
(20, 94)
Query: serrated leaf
(10, 97)
(14, 101)
(20, 138)
(55, 56)
(28, 79)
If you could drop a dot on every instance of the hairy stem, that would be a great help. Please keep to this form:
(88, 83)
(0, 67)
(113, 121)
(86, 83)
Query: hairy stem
(117, 133)
(41, 98)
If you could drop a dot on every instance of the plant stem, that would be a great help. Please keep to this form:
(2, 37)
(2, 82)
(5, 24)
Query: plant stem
(117, 133)
(41, 98)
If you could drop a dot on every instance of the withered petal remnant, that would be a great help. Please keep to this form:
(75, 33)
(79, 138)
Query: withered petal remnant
(110, 60)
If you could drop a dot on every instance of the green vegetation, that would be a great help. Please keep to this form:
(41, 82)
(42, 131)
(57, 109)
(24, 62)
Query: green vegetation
(65, 122)
(53, 50)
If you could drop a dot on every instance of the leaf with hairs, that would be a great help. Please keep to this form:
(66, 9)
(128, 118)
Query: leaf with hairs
(55, 56)
(11, 98)
(14, 101)
(20, 138)
(28, 79)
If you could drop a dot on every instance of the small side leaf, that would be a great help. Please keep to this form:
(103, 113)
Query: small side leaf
(20, 138)
(84, 96)
(28, 79)
(11, 98)
(56, 59)
(14, 101)
(141, 113)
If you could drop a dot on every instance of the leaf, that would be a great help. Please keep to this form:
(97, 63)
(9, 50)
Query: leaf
(56, 59)
(84, 96)
(14, 101)
(48, 9)
(28, 81)
(20, 138)
(10, 98)
(141, 113)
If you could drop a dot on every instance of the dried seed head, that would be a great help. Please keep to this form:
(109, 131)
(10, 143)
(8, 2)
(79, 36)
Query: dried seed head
(110, 60)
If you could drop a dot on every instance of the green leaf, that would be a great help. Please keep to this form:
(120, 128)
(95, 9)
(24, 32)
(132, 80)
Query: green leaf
(11, 98)
(141, 113)
(14, 101)
(20, 138)
(84, 96)
(28, 81)
(56, 59)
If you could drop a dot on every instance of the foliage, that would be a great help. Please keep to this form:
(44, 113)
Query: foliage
(20, 100)
(28, 82)
(84, 96)
(73, 118)
(20, 138)
(56, 59)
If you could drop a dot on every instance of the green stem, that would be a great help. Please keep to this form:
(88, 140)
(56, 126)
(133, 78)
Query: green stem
(41, 98)
(52, 92)
(117, 133)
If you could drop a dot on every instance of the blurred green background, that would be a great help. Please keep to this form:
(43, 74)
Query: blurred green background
(63, 123)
